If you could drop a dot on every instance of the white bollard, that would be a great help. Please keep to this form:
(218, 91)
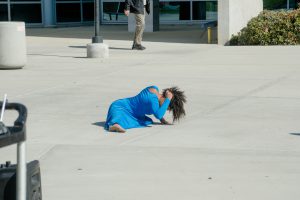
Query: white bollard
(97, 50)
(12, 45)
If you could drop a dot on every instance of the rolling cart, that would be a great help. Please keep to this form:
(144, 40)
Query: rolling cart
(16, 134)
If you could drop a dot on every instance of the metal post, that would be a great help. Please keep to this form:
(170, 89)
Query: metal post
(209, 35)
(288, 4)
(3, 108)
(97, 38)
(8, 10)
(21, 171)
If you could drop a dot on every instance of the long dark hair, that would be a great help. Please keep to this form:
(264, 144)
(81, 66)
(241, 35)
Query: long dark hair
(177, 102)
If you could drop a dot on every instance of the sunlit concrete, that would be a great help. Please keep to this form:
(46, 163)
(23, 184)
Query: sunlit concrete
(239, 140)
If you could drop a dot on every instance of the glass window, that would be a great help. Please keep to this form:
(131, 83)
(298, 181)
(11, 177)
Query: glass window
(68, 12)
(29, 13)
(199, 10)
(68, 0)
(275, 4)
(205, 10)
(293, 3)
(212, 6)
(3, 12)
(88, 11)
(174, 11)
(24, 0)
(211, 10)
(113, 12)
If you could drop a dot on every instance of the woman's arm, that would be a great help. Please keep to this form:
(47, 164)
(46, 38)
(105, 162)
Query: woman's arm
(159, 112)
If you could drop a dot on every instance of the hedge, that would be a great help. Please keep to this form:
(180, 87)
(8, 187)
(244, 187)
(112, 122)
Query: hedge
(270, 28)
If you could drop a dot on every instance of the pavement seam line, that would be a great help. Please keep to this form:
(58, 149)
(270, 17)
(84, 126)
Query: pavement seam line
(45, 152)
(247, 94)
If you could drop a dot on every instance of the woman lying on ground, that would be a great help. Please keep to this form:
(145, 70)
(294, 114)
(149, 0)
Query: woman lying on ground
(131, 112)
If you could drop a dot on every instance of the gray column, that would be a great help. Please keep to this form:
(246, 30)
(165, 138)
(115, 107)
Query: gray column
(48, 13)
(233, 15)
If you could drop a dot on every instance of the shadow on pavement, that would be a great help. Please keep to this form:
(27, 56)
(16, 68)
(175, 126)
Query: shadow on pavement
(53, 55)
(78, 47)
(297, 134)
(115, 48)
(168, 33)
(101, 124)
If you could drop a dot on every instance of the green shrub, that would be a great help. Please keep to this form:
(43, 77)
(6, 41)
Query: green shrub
(270, 28)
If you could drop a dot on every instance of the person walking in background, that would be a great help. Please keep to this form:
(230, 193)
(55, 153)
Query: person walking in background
(138, 8)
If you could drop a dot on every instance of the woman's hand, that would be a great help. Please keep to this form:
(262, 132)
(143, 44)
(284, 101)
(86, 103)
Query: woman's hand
(165, 122)
(169, 95)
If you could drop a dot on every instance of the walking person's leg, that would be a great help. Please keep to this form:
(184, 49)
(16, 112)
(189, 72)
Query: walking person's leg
(139, 30)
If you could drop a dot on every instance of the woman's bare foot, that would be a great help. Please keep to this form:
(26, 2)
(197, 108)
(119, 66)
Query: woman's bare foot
(117, 128)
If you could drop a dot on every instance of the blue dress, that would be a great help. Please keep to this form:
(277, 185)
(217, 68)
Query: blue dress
(131, 112)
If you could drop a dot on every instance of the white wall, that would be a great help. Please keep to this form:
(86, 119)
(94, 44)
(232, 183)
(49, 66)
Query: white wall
(233, 15)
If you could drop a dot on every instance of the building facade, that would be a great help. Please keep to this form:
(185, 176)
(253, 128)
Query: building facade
(67, 12)
(231, 15)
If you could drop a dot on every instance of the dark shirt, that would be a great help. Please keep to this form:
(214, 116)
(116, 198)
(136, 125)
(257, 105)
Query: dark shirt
(137, 6)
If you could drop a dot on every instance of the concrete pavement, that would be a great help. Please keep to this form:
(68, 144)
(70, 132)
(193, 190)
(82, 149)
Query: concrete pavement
(239, 140)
